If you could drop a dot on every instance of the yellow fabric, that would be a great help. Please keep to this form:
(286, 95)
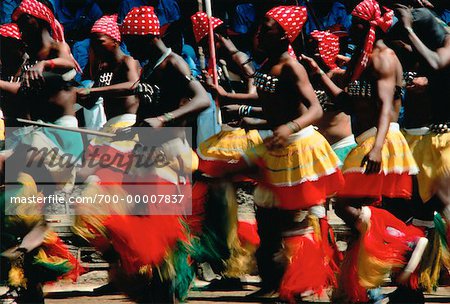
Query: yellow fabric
(228, 145)
(16, 277)
(27, 214)
(2, 129)
(432, 154)
(430, 266)
(306, 158)
(112, 126)
(396, 155)
(89, 221)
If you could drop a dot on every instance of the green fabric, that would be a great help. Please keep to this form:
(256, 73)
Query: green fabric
(66, 141)
(343, 152)
(439, 225)
(184, 272)
(212, 246)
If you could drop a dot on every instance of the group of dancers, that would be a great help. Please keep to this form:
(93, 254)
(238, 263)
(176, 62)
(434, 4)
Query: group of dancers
(298, 133)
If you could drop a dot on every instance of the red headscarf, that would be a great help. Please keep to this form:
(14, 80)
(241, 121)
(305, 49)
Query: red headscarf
(141, 21)
(40, 11)
(107, 25)
(370, 11)
(290, 18)
(201, 25)
(328, 47)
(10, 30)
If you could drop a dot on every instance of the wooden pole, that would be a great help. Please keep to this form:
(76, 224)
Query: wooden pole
(71, 129)
(212, 54)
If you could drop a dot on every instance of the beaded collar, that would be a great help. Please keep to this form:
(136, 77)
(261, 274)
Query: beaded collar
(360, 89)
(364, 89)
(325, 100)
(265, 82)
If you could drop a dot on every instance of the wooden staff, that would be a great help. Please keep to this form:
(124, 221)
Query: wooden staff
(70, 129)
(212, 54)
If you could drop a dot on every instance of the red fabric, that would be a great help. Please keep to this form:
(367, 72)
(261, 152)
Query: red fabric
(141, 21)
(385, 245)
(307, 194)
(377, 185)
(40, 11)
(248, 233)
(217, 168)
(10, 30)
(381, 242)
(328, 47)
(333, 255)
(107, 25)
(370, 11)
(290, 18)
(307, 269)
(199, 196)
(348, 283)
(201, 25)
(143, 240)
(117, 159)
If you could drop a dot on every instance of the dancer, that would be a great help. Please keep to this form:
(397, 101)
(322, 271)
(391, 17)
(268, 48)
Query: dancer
(159, 251)
(382, 164)
(423, 110)
(290, 165)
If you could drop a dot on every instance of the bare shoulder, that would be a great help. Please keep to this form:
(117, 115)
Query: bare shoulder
(176, 63)
(384, 61)
(130, 61)
(291, 67)
(61, 48)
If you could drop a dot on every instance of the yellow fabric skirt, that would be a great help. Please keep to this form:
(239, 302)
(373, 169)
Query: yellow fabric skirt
(228, 146)
(432, 154)
(301, 174)
(397, 166)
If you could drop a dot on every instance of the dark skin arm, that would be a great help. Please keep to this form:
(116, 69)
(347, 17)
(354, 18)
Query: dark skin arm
(10, 87)
(384, 68)
(63, 60)
(194, 91)
(250, 123)
(437, 60)
(226, 98)
(330, 87)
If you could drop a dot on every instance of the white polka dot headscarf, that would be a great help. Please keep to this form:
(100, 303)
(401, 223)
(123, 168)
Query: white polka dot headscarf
(10, 30)
(201, 25)
(370, 11)
(107, 25)
(328, 45)
(40, 11)
(290, 18)
(141, 21)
